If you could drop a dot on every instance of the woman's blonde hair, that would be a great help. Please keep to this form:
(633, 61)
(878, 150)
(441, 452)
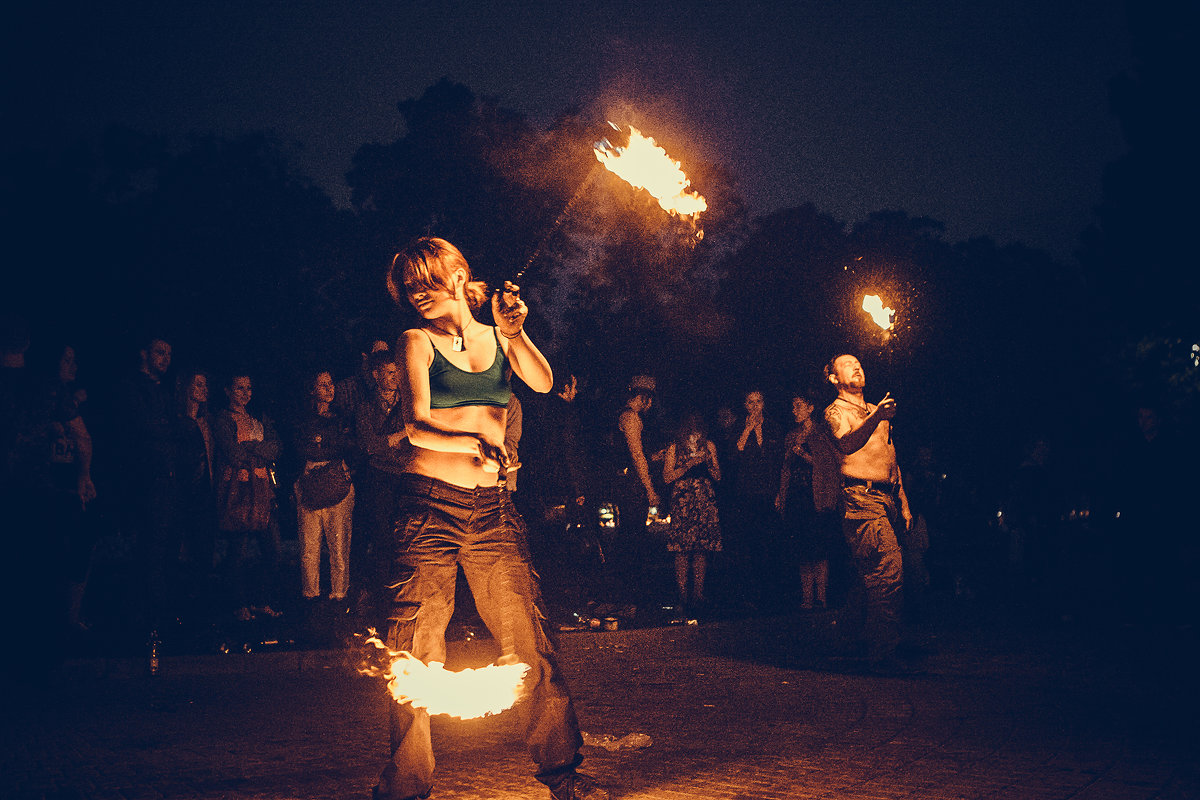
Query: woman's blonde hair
(428, 262)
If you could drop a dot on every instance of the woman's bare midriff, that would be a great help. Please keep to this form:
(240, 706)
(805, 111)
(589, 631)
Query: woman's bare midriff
(461, 469)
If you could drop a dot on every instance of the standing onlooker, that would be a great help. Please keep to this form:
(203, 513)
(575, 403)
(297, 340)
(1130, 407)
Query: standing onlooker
(634, 492)
(692, 471)
(71, 472)
(197, 495)
(350, 391)
(384, 441)
(756, 460)
(563, 460)
(150, 442)
(27, 419)
(348, 397)
(810, 542)
(324, 493)
(246, 451)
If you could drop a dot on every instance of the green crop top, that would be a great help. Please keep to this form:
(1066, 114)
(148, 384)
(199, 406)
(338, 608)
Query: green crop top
(452, 387)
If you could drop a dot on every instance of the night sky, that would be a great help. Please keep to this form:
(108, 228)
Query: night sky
(991, 117)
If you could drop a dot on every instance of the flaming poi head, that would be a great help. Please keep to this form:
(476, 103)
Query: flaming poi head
(466, 694)
(645, 165)
(883, 316)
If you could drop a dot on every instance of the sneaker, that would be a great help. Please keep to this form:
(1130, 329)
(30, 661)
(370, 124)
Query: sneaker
(578, 787)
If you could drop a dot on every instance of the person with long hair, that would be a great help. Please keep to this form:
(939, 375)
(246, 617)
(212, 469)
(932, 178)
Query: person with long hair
(452, 512)
(324, 493)
(692, 471)
(807, 532)
(247, 447)
(197, 488)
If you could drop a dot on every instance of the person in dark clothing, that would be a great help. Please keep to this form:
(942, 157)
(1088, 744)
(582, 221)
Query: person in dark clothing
(564, 464)
(754, 538)
(807, 534)
(197, 490)
(45, 486)
(631, 553)
(383, 442)
(350, 392)
(151, 449)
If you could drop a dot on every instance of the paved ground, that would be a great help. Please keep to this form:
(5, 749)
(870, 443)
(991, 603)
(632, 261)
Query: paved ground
(751, 708)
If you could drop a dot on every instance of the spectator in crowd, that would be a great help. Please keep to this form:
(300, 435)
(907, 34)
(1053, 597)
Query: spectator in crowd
(350, 393)
(247, 448)
(756, 458)
(453, 513)
(150, 444)
(384, 441)
(564, 462)
(692, 471)
(324, 492)
(808, 539)
(27, 420)
(74, 532)
(923, 485)
(197, 490)
(725, 436)
(1031, 516)
(635, 493)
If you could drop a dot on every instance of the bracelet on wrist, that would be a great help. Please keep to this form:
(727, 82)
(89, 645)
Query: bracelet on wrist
(515, 335)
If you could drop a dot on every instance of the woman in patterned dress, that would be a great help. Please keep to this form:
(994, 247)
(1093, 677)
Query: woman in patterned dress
(692, 471)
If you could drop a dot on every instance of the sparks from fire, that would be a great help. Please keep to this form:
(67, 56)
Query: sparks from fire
(466, 694)
(883, 316)
(645, 165)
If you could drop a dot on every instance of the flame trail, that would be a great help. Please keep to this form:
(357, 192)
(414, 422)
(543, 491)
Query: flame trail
(883, 316)
(645, 165)
(470, 693)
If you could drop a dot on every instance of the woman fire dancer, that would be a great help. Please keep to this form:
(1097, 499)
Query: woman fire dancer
(451, 511)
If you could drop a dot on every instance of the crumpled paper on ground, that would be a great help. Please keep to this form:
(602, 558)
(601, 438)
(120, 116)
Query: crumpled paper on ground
(630, 741)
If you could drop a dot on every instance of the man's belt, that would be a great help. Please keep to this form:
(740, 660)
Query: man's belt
(887, 487)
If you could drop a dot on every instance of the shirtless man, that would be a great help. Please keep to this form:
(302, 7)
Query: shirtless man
(873, 500)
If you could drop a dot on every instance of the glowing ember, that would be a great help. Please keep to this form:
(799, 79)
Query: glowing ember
(881, 314)
(647, 166)
(466, 694)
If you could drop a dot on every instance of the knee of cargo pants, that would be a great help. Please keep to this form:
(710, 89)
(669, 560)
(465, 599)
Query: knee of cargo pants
(422, 591)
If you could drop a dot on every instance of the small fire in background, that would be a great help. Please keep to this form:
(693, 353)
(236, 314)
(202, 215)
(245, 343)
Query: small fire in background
(883, 316)
(645, 165)
(466, 694)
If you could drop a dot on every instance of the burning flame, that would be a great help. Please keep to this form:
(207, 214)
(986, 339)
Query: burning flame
(881, 314)
(645, 165)
(466, 694)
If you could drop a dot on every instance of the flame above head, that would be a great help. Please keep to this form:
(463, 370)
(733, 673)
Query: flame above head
(645, 165)
(881, 314)
(466, 694)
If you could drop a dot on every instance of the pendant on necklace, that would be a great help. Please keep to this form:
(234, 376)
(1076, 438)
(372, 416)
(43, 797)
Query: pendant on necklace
(457, 344)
